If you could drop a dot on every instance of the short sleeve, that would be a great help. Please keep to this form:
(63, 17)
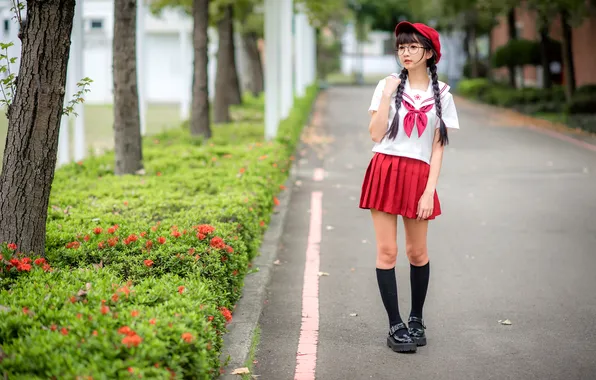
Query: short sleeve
(449, 112)
(377, 96)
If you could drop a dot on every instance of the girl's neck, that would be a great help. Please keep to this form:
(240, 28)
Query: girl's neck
(418, 78)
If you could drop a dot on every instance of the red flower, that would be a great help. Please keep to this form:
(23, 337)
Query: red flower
(229, 249)
(161, 240)
(176, 234)
(191, 251)
(111, 230)
(25, 260)
(26, 310)
(152, 321)
(115, 297)
(1, 257)
(187, 337)
(181, 289)
(217, 243)
(132, 340)
(125, 330)
(262, 223)
(226, 313)
(148, 262)
(210, 318)
(282, 187)
(149, 244)
(134, 313)
(39, 261)
(64, 331)
(276, 201)
(201, 236)
(86, 238)
(205, 229)
(105, 309)
(97, 230)
(100, 245)
(73, 245)
(95, 333)
(46, 267)
(143, 234)
(113, 241)
(11, 246)
(53, 327)
(130, 370)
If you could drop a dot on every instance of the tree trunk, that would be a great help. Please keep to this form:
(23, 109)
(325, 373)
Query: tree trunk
(255, 66)
(512, 36)
(34, 123)
(127, 124)
(225, 67)
(199, 121)
(544, 58)
(567, 55)
(234, 92)
(473, 52)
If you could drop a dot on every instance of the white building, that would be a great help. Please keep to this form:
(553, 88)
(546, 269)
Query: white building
(166, 53)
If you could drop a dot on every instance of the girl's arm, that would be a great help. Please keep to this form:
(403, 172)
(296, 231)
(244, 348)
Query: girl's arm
(436, 161)
(378, 122)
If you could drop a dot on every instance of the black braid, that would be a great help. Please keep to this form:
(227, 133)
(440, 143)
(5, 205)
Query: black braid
(443, 138)
(392, 132)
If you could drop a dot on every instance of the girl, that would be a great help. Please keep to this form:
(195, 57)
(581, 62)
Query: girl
(410, 115)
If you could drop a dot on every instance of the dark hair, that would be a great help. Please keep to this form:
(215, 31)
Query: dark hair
(408, 38)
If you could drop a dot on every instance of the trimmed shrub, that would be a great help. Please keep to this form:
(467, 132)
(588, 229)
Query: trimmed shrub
(141, 272)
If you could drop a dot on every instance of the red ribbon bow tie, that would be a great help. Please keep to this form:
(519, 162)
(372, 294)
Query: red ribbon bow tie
(417, 117)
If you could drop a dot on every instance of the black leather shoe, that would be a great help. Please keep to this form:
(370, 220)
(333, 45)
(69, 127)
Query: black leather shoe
(417, 333)
(399, 340)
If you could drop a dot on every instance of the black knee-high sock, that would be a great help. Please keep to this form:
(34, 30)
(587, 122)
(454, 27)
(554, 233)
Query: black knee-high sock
(419, 277)
(388, 288)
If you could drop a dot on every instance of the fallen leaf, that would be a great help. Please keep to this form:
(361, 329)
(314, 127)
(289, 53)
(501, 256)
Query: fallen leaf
(353, 315)
(323, 274)
(364, 241)
(506, 322)
(329, 228)
(241, 371)
(353, 270)
(277, 262)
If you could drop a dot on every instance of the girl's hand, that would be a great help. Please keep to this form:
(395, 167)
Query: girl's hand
(425, 206)
(391, 83)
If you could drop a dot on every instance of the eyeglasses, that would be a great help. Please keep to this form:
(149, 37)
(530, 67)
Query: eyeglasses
(412, 49)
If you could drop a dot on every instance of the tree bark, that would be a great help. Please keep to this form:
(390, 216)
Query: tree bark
(199, 122)
(544, 58)
(225, 84)
(512, 36)
(34, 124)
(568, 68)
(127, 124)
(234, 92)
(255, 66)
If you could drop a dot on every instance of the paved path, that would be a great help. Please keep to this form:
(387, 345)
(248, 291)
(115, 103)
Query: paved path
(517, 241)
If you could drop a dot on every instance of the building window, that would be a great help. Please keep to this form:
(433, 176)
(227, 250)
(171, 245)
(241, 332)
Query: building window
(6, 26)
(96, 24)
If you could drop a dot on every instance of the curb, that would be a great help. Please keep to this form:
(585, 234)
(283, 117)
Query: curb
(238, 339)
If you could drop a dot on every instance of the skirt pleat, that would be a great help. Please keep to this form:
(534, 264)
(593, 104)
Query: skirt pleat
(394, 184)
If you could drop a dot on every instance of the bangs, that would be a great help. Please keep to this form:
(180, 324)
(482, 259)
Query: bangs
(405, 38)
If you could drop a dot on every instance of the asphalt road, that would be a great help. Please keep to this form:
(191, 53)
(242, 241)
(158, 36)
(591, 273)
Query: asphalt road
(517, 241)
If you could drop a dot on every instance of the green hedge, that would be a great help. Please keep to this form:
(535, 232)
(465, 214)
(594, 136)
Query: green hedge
(579, 113)
(142, 271)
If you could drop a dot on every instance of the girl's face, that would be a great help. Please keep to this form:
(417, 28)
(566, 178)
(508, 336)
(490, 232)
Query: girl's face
(411, 53)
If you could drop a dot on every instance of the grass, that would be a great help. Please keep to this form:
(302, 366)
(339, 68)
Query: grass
(256, 339)
(99, 120)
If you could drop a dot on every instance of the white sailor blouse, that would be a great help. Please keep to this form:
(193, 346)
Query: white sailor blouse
(417, 120)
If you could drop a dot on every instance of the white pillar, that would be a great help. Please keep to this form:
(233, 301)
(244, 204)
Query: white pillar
(301, 22)
(287, 51)
(185, 50)
(272, 67)
(141, 85)
(78, 72)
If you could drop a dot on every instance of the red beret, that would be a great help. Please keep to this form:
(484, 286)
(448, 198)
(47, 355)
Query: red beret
(426, 31)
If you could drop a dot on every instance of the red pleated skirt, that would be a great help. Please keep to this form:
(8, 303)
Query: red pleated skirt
(394, 184)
